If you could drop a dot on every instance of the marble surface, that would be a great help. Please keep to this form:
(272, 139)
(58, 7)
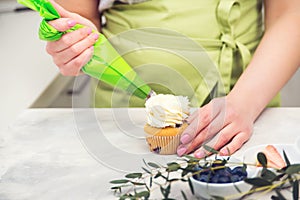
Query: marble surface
(74, 153)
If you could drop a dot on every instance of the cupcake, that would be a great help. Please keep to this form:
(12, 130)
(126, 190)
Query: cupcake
(166, 116)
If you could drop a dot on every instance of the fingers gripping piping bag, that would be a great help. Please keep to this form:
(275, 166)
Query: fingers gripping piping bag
(106, 64)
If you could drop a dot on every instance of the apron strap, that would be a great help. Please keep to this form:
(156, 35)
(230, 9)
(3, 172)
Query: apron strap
(228, 14)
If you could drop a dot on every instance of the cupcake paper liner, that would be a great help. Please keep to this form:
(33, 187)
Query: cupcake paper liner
(164, 145)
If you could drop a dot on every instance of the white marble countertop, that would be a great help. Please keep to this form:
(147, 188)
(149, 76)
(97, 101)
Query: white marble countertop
(74, 153)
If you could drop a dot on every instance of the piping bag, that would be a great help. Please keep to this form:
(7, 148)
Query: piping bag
(105, 65)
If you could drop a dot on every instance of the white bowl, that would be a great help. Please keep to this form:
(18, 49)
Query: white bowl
(228, 190)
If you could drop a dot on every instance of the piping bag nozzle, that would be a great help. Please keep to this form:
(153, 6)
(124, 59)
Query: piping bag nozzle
(151, 94)
(106, 64)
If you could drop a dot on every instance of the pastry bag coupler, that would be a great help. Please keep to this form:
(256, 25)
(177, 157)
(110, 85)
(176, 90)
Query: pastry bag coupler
(106, 64)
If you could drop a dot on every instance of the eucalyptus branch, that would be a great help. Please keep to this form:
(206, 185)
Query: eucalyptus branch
(155, 176)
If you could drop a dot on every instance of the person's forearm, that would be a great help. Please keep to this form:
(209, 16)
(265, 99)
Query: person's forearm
(274, 62)
(86, 8)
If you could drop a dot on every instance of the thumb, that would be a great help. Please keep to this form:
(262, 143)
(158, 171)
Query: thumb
(65, 22)
(70, 15)
(62, 24)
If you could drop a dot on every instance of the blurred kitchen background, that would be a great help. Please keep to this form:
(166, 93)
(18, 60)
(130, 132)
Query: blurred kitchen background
(29, 79)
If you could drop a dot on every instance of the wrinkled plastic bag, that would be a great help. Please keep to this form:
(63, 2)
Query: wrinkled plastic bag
(106, 64)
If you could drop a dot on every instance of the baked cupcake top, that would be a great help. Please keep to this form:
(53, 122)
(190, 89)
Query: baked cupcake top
(165, 110)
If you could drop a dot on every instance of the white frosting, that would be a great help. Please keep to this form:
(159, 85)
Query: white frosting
(166, 110)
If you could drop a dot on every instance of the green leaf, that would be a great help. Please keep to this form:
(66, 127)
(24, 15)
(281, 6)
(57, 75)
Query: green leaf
(154, 165)
(121, 181)
(158, 175)
(296, 190)
(174, 179)
(268, 175)
(191, 159)
(293, 169)
(191, 186)
(273, 197)
(137, 183)
(165, 191)
(288, 163)
(237, 188)
(184, 172)
(244, 167)
(117, 188)
(262, 159)
(145, 162)
(281, 197)
(134, 175)
(146, 170)
(228, 150)
(168, 191)
(162, 190)
(218, 198)
(173, 167)
(126, 197)
(278, 177)
(259, 182)
(183, 195)
(151, 180)
(210, 149)
(144, 194)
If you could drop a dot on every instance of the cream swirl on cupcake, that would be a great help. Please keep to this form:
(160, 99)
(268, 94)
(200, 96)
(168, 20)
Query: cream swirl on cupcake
(165, 110)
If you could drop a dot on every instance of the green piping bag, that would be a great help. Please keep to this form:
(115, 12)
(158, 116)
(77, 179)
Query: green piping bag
(106, 64)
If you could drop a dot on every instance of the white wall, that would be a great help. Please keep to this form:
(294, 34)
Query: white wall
(290, 94)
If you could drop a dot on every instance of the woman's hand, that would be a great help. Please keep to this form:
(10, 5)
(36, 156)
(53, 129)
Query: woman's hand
(73, 50)
(220, 124)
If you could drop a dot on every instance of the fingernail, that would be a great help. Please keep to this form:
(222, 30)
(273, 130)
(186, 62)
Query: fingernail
(185, 139)
(199, 154)
(96, 36)
(89, 31)
(181, 151)
(223, 152)
(71, 23)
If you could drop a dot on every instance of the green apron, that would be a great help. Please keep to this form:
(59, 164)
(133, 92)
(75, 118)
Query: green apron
(195, 48)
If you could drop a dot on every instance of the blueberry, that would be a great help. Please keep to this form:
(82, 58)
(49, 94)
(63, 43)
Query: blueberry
(206, 171)
(215, 178)
(157, 150)
(228, 171)
(197, 168)
(224, 171)
(222, 175)
(204, 178)
(219, 172)
(178, 125)
(239, 171)
(224, 179)
(196, 171)
(235, 178)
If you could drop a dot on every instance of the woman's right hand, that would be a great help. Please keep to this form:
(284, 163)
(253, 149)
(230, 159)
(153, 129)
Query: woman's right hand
(74, 49)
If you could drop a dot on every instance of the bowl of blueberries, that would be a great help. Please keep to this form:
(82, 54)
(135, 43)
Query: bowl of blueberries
(222, 177)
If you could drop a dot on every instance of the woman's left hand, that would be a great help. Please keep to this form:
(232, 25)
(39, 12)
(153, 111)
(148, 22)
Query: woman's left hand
(219, 122)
